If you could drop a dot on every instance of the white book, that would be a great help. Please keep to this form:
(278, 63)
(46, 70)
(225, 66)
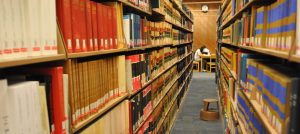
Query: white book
(66, 100)
(8, 32)
(17, 39)
(32, 20)
(44, 27)
(53, 24)
(23, 32)
(3, 109)
(126, 28)
(44, 110)
(298, 30)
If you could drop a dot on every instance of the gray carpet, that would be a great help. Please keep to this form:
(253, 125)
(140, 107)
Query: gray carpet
(188, 119)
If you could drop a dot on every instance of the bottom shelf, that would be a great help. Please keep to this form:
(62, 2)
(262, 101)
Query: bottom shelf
(106, 108)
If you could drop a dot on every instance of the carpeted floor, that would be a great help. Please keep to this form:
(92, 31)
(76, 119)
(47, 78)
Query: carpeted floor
(188, 119)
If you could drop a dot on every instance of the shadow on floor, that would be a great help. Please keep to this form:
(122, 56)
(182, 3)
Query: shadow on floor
(188, 119)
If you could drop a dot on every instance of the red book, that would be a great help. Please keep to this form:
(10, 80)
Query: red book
(75, 25)
(64, 19)
(57, 96)
(83, 26)
(90, 44)
(110, 27)
(100, 26)
(114, 29)
(94, 25)
(105, 32)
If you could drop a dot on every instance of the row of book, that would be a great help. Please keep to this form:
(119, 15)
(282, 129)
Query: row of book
(93, 83)
(161, 90)
(28, 29)
(142, 4)
(272, 27)
(113, 122)
(273, 87)
(87, 25)
(162, 116)
(34, 101)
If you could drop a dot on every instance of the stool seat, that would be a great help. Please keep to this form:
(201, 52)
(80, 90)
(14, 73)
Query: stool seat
(210, 100)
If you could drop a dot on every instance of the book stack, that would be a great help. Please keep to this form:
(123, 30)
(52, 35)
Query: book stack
(168, 9)
(160, 33)
(135, 29)
(185, 37)
(89, 91)
(28, 29)
(227, 35)
(228, 13)
(157, 88)
(87, 25)
(274, 90)
(176, 39)
(141, 106)
(41, 94)
(181, 52)
(229, 58)
(138, 73)
(156, 62)
(113, 122)
(170, 56)
(248, 117)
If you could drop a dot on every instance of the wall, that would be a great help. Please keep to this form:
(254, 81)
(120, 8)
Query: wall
(205, 27)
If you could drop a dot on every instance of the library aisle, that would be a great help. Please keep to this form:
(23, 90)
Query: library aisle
(188, 119)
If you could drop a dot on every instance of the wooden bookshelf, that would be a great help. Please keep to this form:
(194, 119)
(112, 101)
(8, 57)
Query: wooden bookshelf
(172, 103)
(173, 82)
(257, 108)
(96, 53)
(107, 107)
(177, 111)
(31, 60)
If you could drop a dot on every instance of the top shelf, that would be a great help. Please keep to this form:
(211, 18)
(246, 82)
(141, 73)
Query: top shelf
(274, 53)
(135, 8)
(238, 14)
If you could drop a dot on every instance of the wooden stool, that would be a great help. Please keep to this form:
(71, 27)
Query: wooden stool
(208, 114)
(197, 65)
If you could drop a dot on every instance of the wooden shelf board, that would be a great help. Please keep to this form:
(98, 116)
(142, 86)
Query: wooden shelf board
(156, 11)
(257, 108)
(134, 7)
(242, 126)
(95, 53)
(183, 43)
(154, 107)
(295, 58)
(275, 53)
(238, 14)
(111, 104)
(178, 26)
(31, 60)
(265, 51)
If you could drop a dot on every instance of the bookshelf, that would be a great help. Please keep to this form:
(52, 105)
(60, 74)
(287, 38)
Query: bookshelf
(243, 61)
(96, 65)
